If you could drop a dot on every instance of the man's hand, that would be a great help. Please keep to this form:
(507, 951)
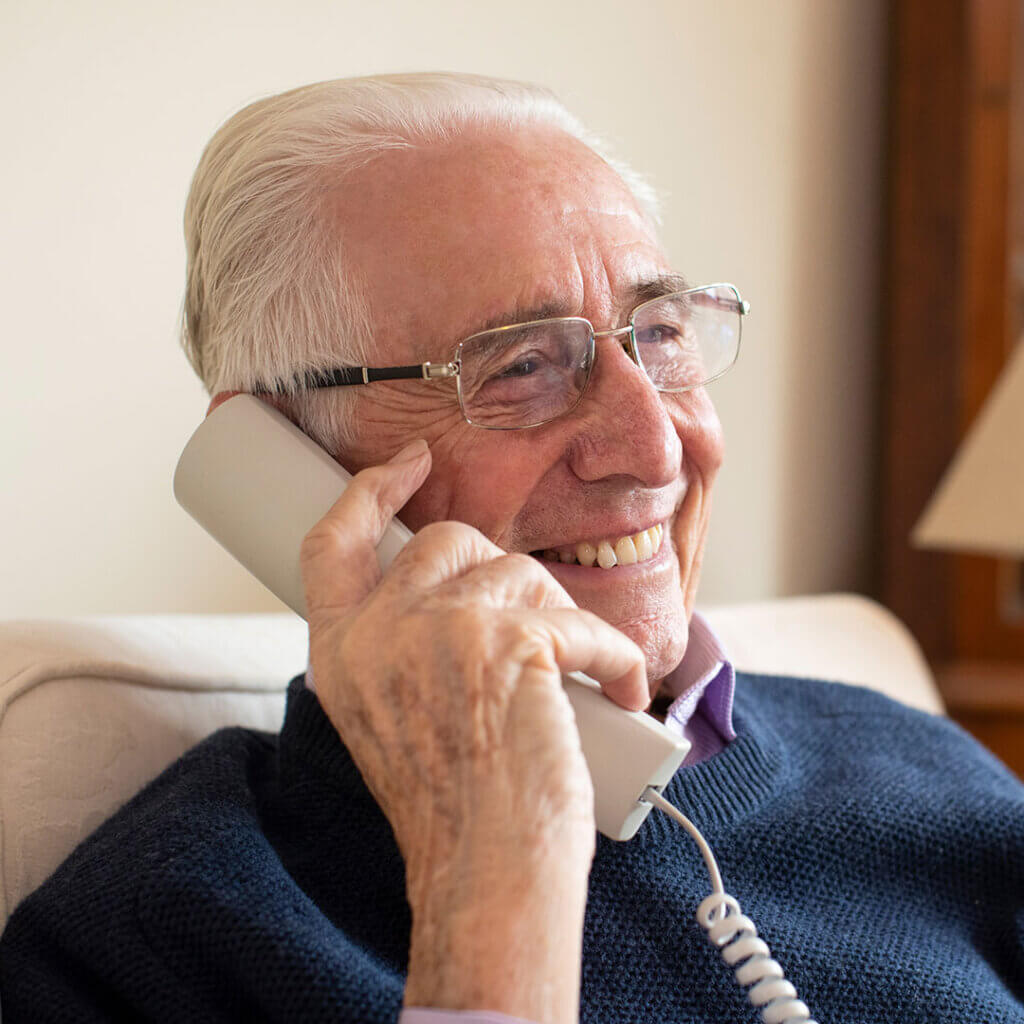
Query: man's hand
(443, 679)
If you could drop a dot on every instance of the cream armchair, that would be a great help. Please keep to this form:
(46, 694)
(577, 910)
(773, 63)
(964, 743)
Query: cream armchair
(91, 709)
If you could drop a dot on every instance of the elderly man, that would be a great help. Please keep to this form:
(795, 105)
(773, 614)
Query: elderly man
(419, 842)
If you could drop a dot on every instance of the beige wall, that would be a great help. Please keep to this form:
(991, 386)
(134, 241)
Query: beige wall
(760, 122)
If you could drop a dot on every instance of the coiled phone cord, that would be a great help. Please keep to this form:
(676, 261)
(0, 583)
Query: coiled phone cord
(735, 936)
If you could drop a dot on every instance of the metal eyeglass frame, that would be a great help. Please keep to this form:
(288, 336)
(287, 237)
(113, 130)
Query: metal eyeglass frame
(351, 376)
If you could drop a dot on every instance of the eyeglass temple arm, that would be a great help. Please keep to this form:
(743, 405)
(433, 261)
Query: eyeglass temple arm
(737, 305)
(349, 376)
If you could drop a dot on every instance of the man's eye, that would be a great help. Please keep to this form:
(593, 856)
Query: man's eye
(658, 334)
(520, 368)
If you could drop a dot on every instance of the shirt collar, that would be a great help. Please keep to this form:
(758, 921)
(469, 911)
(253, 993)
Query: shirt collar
(703, 684)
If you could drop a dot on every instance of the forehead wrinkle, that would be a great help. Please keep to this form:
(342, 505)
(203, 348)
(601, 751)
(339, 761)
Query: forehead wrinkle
(426, 344)
(546, 296)
(626, 297)
(573, 215)
(617, 211)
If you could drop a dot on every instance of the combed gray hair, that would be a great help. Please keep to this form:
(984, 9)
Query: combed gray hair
(268, 293)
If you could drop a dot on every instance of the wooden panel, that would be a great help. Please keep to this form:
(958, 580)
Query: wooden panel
(984, 627)
(920, 361)
(1017, 185)
(955, 81)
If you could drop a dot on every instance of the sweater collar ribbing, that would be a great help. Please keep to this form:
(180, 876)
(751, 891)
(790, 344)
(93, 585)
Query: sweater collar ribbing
(718, 791)
(310, 745)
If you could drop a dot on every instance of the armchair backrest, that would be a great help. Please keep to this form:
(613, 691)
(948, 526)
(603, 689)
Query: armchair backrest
(92, 709)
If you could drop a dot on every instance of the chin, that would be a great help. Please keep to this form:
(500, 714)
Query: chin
(663, 643)
(647, 604)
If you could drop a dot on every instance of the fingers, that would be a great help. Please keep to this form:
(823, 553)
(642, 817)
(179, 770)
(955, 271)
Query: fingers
(340, 568)
(579, 640)
(338, 556)
(441, 552)
(582, 642)
(516, 581)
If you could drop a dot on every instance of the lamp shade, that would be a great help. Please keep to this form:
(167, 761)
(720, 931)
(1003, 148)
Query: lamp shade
(979, 505)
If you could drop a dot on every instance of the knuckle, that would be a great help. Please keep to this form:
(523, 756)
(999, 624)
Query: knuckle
(369, 484)
(485, 635)
(318, 543)
(445, 533)
(539, 587)
(466, 624)
(431, 545)
(524, 639)
(526, 564)
(457, 543)
(594, 621)
(366, 495)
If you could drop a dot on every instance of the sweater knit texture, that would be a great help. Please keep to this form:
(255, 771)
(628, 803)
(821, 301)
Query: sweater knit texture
(879, 850)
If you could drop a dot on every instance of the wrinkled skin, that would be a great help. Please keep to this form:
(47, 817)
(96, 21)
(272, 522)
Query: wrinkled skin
(448, 238)
(443, 678)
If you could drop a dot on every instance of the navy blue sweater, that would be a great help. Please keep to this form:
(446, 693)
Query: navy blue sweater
(879, 850)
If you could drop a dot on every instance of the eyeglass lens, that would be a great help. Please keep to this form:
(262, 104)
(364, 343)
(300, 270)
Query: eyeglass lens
(689, 338)
(531, 373)
(525, 375)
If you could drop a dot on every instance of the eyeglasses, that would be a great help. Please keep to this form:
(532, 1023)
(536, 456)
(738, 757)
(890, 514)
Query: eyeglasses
(524, 375)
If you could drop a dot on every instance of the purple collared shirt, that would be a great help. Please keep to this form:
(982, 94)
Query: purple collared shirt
(702, 687)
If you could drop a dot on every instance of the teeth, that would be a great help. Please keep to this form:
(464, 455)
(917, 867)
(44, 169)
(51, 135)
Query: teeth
(606, 555)
(644, 547)
(637, 547)
(625, 551)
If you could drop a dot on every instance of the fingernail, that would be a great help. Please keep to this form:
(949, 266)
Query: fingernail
(410, 452)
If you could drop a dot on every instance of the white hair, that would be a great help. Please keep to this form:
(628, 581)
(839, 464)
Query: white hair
(268, 293)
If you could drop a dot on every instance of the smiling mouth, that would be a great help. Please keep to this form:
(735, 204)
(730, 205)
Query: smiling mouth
(607, 554)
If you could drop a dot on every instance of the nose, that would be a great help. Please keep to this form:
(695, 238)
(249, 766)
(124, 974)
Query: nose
(625, 336)
(624, 427)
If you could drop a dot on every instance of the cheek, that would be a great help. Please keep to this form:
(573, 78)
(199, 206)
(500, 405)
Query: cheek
(700, 431)
(703, 450)
(425, 506)
(480, 484)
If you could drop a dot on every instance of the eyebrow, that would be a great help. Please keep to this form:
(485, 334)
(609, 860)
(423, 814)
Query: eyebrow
(642, 291)
(655, 288)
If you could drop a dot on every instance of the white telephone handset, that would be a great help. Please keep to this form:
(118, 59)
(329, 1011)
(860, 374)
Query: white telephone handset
(257, 484)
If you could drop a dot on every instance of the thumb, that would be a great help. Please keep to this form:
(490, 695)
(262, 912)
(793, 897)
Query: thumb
(338, 557)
